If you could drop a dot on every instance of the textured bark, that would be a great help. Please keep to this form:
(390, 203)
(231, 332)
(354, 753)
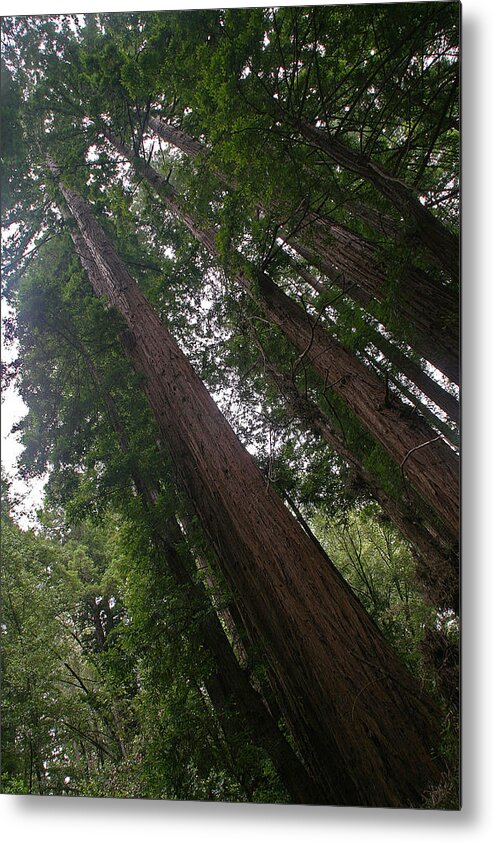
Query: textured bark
(431, 466)
(375, 219)
(430, 310)
(176, 137)
(429, 387)
(350, 261)
(404, 364)
(434, 236)
(167, 192)
(223, 611)
(450, 435)
(359, 718)
(438, 562)
(238, 705)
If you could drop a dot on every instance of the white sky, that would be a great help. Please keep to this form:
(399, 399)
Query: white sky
(12, 410)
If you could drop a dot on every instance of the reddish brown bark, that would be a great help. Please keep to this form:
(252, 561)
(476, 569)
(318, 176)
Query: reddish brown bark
(403, 363)
(178, 138)
(434, 236)
(374, 219)
(359, 718)
(428, 308)
(438, 564)
(429, 463)
(424, 458)
(450, 435)
(238, 705)
(412, 371)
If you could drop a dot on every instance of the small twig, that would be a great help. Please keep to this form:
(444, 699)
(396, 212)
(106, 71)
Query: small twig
(418, 447)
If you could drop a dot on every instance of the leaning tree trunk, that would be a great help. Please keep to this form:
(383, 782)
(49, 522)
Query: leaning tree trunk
(243, 709)
(401, 362)
(359, 718)
(450, 435)
(422, 455)
(438, 564)
(238, 706)
(424, 458)
(428, 309)
(434, 236)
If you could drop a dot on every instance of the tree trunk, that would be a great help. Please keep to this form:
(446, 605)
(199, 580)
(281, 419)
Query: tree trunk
(429, 309)
(434, 236)
(438, 564)
(239, 707)
(375, 219)
(450, 435)
(404, 364)
(180, 139)
(423, 457)
(412, 371)
(359, 718)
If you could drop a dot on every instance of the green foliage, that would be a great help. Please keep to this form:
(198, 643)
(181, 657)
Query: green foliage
(379, 567)
(52, 694)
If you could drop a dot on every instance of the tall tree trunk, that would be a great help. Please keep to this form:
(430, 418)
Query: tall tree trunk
(401, 362)
(238, 705)
(421, 454)
(360, 719)
(452, 436)
(427, 228)
(181, 140)
(424, 458)
(429, 309)
(224, 611)
(243, 708)
(438, 563)
(375, 219)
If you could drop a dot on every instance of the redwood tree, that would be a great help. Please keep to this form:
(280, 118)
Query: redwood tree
(350, 262)
(359, 719)
(421, 454)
